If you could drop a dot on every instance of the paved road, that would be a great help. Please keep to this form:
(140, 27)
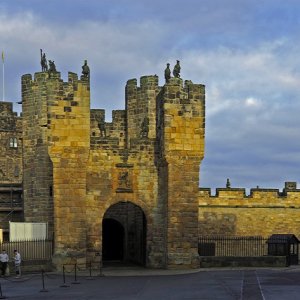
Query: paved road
(248, 284)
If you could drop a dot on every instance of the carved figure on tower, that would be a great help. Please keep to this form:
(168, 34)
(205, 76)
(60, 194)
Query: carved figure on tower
(85, 70)
(167, 73)
(44, 64)
(176, 70)
(52, 67)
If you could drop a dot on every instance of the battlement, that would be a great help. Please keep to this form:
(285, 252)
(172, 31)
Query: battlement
(11, 168)
(258, 197)
(263, 212)
(6, 108)
(177, 91)
(107, 134)
(9, 120)
(146, 81)
(52, 84)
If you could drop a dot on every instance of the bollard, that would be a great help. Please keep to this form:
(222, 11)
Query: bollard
(43, 282)
(1, 295)
(100, 265)
(75, 275)
(64, 279)
(90, 269)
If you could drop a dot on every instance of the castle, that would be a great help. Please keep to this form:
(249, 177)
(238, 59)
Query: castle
(126, 189)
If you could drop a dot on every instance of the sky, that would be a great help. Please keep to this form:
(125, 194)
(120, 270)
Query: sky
(246, 52)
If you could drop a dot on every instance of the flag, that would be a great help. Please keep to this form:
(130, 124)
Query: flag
(3, 56)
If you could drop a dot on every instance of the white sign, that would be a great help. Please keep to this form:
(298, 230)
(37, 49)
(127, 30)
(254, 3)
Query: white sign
(25, 231)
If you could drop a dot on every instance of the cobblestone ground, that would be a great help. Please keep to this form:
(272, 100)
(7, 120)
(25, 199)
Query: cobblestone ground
(266, 284)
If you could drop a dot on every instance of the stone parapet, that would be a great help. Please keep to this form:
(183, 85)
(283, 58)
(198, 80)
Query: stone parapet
(261, 213)
(257, 197)
(141, 106)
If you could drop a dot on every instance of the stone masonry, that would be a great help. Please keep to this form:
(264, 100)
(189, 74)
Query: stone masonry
(77, 168)
(261, 213)
(87, 178)
(11, 171)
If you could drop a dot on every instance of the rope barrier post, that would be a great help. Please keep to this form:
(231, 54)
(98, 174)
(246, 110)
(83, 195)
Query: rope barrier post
(43, 282)
(90, 269)
(101, 266)
(1, 295)
(64, 278)
(75, 275)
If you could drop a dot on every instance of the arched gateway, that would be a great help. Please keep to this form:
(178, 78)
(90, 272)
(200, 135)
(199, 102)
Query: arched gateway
(124, 231)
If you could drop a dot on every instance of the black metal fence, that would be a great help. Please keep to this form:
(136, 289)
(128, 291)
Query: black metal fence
(239, 246)
(29, 250)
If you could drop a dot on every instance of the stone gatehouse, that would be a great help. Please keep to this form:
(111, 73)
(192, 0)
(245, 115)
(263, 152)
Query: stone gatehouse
(120, 190)
(128, 189)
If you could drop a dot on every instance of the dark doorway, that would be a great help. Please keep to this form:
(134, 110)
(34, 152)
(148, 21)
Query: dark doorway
(124, 234)
(113, 240)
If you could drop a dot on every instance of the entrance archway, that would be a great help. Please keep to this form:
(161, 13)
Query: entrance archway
(113, 240)
(124, 232)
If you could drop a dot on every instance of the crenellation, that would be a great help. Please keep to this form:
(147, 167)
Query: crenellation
(149, 82)
(262, 212)
(257, 195)
(113, 132)
(140, 107)
(117, 129)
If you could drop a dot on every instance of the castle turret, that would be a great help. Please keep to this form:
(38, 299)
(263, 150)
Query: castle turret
(181, 124)
(141, 107)
(37, 179)
(56, 149)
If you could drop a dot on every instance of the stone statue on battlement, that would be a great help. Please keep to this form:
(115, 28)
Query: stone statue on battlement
(145, 128)
(44, 64)
(176, 70)
(85, 70)
(101, 125)
(52, 67)
(167, 73)
(228, 184)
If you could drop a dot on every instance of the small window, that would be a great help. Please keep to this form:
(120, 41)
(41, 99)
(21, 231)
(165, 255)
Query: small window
(13, 142)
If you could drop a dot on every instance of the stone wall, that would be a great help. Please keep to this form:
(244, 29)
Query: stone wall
(77, 168)
(37, 179)
(121, 168)
(238, 262)
(68, 146)
(181, 123)
(138, 161)
(11, 168)
(262, 213)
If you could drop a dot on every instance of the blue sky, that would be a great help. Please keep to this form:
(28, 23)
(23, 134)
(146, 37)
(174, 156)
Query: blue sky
(246, 52)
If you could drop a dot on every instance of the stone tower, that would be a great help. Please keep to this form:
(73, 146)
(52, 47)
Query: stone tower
(180, 137)
(56, 139)
(37, 166)
(126, 189)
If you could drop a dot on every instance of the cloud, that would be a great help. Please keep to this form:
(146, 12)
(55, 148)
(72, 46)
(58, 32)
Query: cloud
(115, 53)
(245, 53)
(252, 102)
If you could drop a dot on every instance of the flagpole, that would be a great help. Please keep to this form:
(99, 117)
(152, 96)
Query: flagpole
(3, 76)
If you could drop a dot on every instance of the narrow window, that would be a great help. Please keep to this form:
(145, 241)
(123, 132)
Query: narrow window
(13, 142)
